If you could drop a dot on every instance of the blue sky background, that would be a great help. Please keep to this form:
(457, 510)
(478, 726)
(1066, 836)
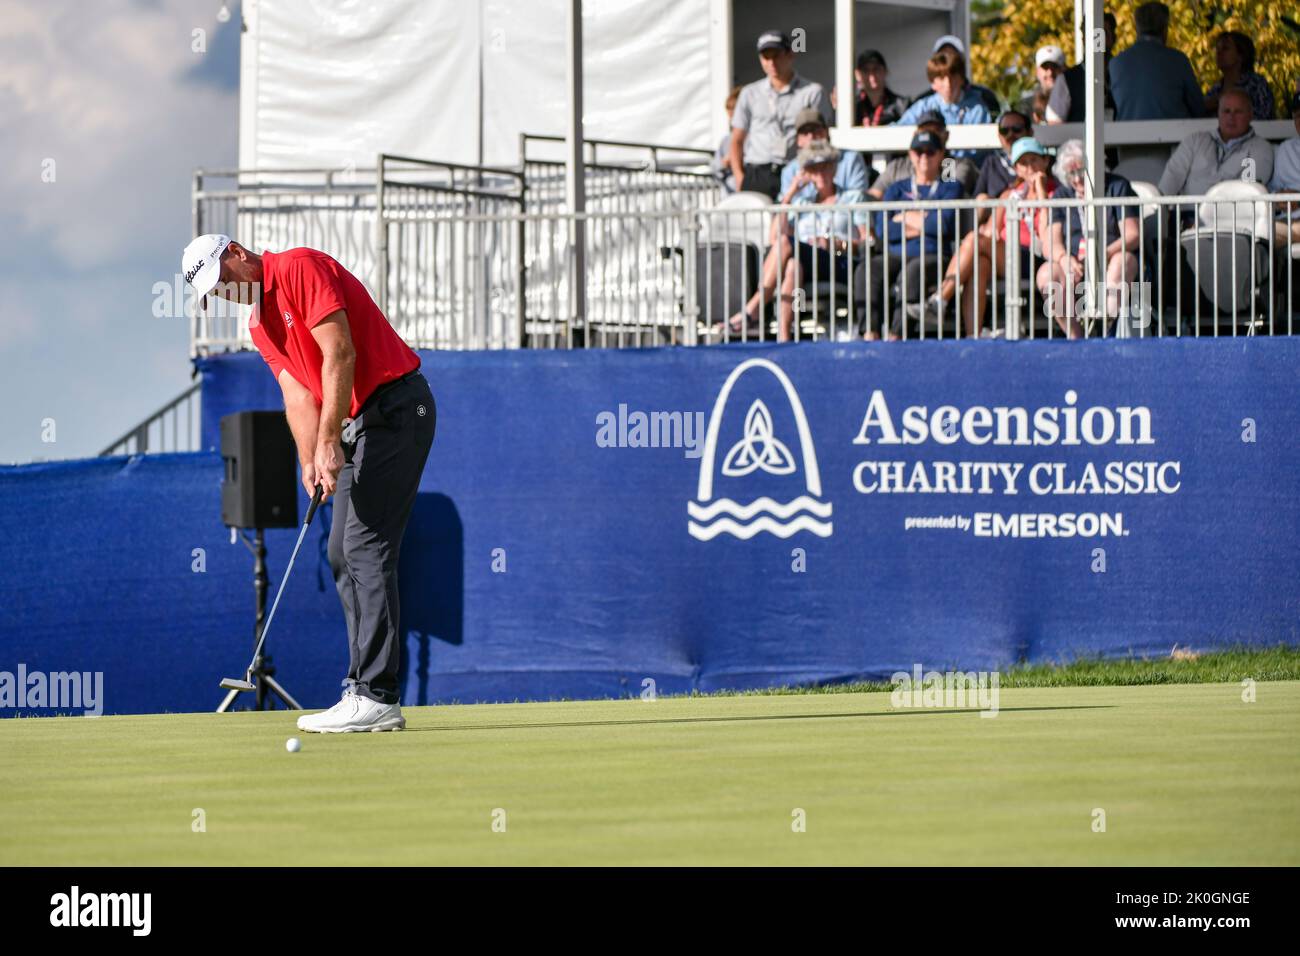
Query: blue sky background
(113, 92)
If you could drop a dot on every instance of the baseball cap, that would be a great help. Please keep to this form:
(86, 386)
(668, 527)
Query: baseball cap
(1026, 144)
(926, 141)
(809, 116)
(946, 39)
(201, 262)
(932, 117)
(1050, 54)
(771, 38)
(867, 57)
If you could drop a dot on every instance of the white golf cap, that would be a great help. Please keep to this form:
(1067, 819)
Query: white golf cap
(201, 262)
(1050, 54)
(945, 40)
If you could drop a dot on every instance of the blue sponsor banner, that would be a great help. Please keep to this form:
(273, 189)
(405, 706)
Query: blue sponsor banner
(715, 518)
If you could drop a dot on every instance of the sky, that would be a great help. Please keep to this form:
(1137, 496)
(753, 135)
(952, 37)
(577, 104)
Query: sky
(106, 110)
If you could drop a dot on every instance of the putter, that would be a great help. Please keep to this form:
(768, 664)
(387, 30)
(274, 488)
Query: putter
(234, 683)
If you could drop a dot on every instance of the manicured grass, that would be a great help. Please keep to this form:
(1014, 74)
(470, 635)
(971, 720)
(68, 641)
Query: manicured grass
(1186, 774)
(1278, 663)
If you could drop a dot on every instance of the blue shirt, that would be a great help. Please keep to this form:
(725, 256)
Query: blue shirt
(851, 173)
(825, 220)
(1072, 223)
(1152, 81)
(968, 110)
(936, 221)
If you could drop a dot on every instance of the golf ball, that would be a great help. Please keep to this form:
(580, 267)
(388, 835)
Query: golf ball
(293, 745)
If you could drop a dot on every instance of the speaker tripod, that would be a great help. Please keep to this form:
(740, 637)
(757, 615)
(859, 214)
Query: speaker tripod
(262, 673)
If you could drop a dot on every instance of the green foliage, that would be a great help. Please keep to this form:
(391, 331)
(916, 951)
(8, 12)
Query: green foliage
(1005, 36)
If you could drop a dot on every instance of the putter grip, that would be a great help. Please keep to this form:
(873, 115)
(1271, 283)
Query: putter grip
(311, 509)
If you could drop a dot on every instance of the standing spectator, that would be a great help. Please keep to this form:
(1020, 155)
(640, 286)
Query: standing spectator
(1067, 102)
(720, 165)
(763, 126)
(1049, 64)
(981, 254)
(998, 173)
(852, 171)
(877, 104)
(954, 45)
(1152, 81)
(1065, 246)
(914, 239)
(1233, 151)
(961, 170)
(1235, 54)
(1286, 179)
(952, 96)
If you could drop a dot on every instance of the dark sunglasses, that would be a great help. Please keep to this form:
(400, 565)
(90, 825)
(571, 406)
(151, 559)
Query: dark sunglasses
(1012, 130)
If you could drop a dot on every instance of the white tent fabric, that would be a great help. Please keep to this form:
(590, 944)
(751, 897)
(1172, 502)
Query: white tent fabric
(334, 83)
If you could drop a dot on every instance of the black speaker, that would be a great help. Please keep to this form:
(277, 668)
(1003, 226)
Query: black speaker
(260, 487)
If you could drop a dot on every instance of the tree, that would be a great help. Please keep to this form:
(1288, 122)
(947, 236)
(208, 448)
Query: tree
(1006, 34)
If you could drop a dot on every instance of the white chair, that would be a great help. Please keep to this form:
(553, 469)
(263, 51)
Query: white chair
(740, 217)
(1233, 211)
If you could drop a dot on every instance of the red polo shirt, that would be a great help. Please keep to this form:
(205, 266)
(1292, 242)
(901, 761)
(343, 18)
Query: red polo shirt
(299, 288)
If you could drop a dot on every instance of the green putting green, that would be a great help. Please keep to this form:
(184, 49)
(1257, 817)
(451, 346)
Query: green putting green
(1185, 774)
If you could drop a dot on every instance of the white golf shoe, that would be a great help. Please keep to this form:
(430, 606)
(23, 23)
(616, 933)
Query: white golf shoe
(352, 714)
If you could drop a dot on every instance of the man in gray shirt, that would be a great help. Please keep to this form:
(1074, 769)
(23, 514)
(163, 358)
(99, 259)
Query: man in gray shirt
(763, 125)
(1150, 80)
(1232, 151)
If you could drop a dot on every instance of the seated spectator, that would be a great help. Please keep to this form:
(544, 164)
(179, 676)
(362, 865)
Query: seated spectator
(914, 239)
(877, 104)
(801, 189)
(1150, 80)
(1065, 246)
(763, 125)
(960, 169)
(1049, 64)
(1235, 54)
(822, 238)
(1286, 179)
(952, 96)
(981, 254)
(852, 172)
(954, 45)
(1233, 151)
(1067, 102)
(998, 173)
(720, 165)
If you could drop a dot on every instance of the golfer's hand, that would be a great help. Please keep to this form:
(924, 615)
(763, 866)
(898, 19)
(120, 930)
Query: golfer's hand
(309, 477)
(328, 463)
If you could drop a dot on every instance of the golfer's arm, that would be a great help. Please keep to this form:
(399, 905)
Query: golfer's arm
(303, 414)
(338, 362)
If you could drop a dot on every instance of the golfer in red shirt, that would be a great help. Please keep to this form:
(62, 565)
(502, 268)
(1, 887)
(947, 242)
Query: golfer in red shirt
(363, 419)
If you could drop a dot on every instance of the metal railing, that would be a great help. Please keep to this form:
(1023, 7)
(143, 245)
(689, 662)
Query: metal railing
(173, 428)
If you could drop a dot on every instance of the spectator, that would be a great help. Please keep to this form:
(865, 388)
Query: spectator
(1235, 54)
(1049, 64)
(960, 169)
(852, 172)
(981, 251)
(822, 239)
(720, 165)
(1286, 179)
(1065, 246)
(998, 173)
(1067, 102)
(877, 104)
(909, 262)
(1152, 81)
(1233, 151)
(954, 45)
(952, 96)
(763, 126)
